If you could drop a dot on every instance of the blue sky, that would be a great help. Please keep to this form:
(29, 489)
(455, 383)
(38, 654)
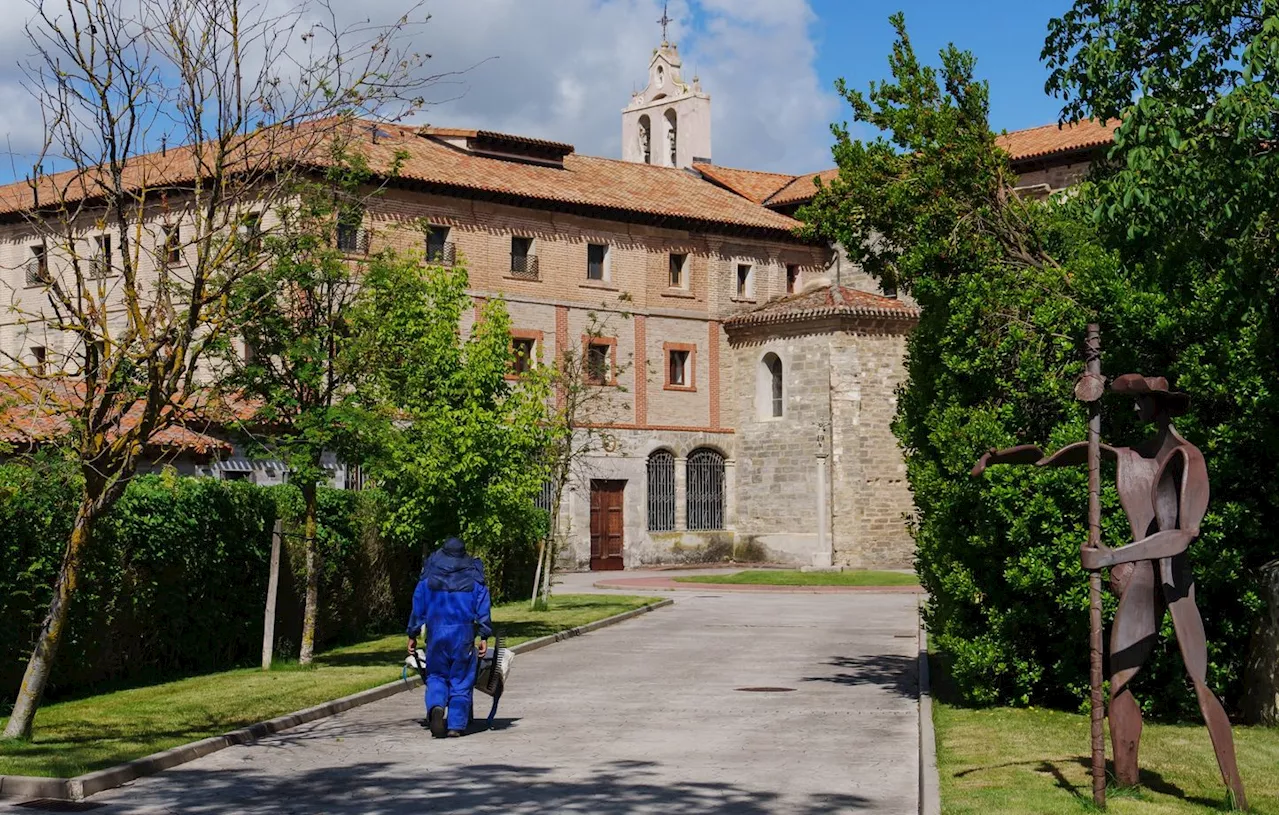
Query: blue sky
(854, 39)
(564, 69)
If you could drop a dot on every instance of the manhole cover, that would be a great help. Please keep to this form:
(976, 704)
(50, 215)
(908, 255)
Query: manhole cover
(766, 690)
(55, 805)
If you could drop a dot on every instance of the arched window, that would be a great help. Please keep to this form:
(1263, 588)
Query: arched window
(662, 491)
(704, 490)
(769, 394)
(671, 137)
(643, 136)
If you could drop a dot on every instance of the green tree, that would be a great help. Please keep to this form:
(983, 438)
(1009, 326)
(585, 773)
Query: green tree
(930, 206)
(1189, 205)
(461, 452)
(295, 369)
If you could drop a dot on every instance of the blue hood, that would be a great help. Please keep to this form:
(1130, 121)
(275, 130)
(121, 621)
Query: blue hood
(449, 568)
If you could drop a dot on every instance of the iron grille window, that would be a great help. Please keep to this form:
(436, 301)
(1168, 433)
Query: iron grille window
(662, 491)
(354, 478)
(524, 264)
(439, 248)
(546, 499)
(704, 490)
(38, 266)
(350, 237)
(597, 253)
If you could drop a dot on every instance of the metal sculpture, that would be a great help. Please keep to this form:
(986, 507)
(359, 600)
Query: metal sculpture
(1163, 486)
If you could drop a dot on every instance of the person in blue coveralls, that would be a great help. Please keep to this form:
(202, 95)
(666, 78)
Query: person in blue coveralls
(452, 600)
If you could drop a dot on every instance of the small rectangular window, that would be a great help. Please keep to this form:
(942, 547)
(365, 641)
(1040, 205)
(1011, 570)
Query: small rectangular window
(523, 350)
(38, 355)
(38, 266)
(439, 248)
(348, 233)
(172, 244)
(597, 257)
(745, 282)
(599, 369)
(678, 261)
(521, 247)
(250, 232)
(100, 266)
(890, 287)
(678, 365)
(793, 278)
(524, 264)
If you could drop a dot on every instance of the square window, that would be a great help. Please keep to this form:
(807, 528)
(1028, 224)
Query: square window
(523, 354)
(597, 259)
(793, 278)
(172, 244)
(746, 284)
(678, 278)
(599, 369)
(439, 248)
(678, 368)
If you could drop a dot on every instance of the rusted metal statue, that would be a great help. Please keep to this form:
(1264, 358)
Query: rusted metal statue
(1164, 489)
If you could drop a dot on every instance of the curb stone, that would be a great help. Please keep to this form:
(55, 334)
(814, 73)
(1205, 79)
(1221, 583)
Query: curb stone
(82, 786)
(930, 797)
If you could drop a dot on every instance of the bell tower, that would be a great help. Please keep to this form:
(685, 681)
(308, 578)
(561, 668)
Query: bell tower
(669, 122)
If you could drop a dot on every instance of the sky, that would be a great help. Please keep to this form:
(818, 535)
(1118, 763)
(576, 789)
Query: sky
(564, 69)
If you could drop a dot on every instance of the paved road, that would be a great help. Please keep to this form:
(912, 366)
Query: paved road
(644, 717)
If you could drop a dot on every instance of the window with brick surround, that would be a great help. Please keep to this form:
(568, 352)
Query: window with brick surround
(37, 272)
(681, 361)
(746, 283)
(350, 235)
(38, 355)
(439, 248)
(100, 264)
(793, 278)
(679, 271)
(524, 352)
(524, 263)
(250, 233)
(599, 362)
(597, 261)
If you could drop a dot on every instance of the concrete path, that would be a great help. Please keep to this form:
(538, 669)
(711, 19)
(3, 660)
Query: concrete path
(650, 716)
(661, 582)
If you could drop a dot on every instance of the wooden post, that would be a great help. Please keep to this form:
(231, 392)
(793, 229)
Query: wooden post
(1093, 368)
(273, 583)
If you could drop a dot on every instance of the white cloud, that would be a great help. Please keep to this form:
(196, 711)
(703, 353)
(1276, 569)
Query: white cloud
(564, 69)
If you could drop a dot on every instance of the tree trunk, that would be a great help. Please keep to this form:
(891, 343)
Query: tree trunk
(273, 583)
(537, 574)
(313, 577)
(1261, 677)
(42, 659)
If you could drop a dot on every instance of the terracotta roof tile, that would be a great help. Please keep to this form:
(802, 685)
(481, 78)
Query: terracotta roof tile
(801, 188)
(822, 302)
(582, 181)
(1037, 142)
(750, 184)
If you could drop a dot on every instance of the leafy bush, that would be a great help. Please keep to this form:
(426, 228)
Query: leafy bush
(175, 577)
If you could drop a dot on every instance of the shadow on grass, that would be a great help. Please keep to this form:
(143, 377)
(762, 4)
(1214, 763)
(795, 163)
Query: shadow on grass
(899, 674)
(620, 786)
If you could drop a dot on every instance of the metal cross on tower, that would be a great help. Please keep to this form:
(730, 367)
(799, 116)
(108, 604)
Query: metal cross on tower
(663, 22)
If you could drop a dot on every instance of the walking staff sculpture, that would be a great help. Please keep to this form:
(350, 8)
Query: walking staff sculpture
(1164, 489)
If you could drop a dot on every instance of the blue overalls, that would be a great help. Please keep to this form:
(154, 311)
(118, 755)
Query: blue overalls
(453, 601)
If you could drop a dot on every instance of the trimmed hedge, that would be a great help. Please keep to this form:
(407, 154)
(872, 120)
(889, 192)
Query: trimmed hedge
(175, 577)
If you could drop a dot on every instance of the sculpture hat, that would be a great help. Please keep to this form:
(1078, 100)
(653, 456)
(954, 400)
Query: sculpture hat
(1135, 385)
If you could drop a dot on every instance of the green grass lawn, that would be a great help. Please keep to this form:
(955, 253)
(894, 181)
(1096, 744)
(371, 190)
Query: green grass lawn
(83, 735)
(1009, 760)
(783, 577)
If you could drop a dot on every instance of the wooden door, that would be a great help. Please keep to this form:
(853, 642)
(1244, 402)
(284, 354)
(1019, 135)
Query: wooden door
(606, 524)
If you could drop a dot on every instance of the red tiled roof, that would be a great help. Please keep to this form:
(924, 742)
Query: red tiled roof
(801, 188)
(825, 301)
(616, 187)
(35, 412)
(753, 185)
(1036, 142)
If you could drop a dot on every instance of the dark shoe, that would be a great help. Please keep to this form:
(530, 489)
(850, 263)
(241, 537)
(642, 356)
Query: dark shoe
(453, 734)
(435, 722)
